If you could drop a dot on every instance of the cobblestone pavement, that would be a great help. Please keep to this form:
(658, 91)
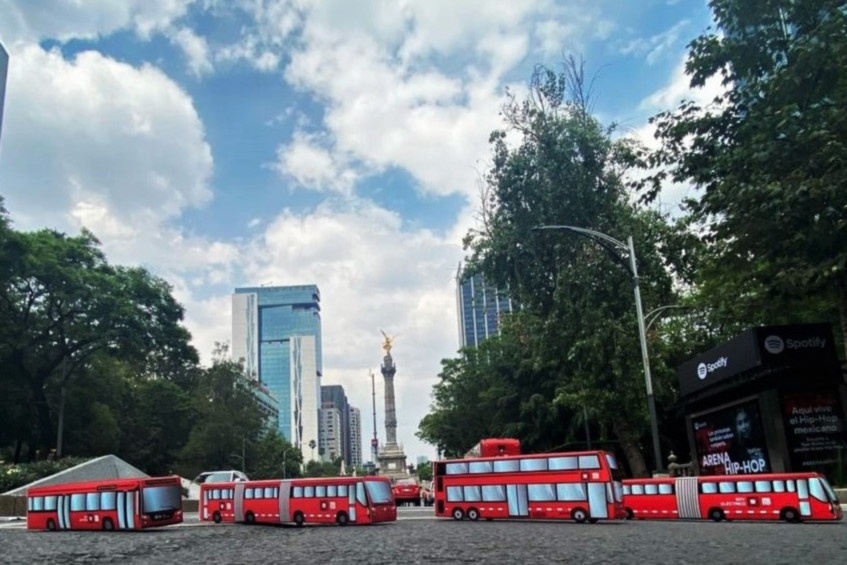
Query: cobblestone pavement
(416, 540)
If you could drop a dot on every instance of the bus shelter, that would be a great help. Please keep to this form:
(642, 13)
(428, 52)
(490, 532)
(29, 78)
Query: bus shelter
(771, 399)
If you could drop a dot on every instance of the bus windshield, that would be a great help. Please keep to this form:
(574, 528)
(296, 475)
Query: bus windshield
(830, 494)
(161, 499)
(379, 492)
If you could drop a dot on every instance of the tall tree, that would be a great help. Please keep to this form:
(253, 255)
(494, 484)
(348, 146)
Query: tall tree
(568, 170)
(768, 154)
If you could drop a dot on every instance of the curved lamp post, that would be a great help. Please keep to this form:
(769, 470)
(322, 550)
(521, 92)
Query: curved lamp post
(608, 242)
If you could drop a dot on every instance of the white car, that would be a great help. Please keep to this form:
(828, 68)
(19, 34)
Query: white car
(220, 477)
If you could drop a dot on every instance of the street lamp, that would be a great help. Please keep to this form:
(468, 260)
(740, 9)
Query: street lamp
(629, 248)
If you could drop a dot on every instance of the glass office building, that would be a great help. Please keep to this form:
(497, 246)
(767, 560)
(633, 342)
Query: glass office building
(480, 308)
(4, 70)
(276, 331)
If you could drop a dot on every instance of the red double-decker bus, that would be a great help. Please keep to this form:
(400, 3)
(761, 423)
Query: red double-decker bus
(322, 500)
(581, 486)
(112, 504)
(495, 447)
(792, 497)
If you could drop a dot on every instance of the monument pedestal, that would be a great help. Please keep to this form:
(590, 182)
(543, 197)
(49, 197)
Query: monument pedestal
(392, 462)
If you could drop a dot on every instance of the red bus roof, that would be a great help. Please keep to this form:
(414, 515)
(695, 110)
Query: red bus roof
(103, 484)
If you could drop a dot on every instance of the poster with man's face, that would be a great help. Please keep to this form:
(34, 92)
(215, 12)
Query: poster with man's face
(730, 441)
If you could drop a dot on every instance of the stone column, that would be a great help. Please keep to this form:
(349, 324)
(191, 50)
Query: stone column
(388, 371)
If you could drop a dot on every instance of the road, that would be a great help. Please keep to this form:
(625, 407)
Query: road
(417, 537)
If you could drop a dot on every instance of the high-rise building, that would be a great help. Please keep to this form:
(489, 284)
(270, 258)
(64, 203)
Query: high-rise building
(4, 70)
(276, 331)
(332, 432)
(480, 308)
(334, 394)
(355, 437)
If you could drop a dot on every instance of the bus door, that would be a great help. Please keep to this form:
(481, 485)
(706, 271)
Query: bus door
(238, 502)
(597, 503)
(687, 501)
(126, 510)
(803, 496)
(517, 499)
(284, 501)
(351, 499)
(63, 511)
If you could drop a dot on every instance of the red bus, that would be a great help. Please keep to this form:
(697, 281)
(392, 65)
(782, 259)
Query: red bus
(495, 447)
(216, 502)
(793, 497)
(122, 504)
(582, 486)
(321, 500)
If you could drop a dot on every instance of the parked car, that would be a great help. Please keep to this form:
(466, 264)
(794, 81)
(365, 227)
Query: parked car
(220, 477)
(407, 491)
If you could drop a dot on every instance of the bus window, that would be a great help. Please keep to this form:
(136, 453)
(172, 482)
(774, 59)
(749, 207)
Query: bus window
(248, 493)
(763, 486)
(454, 494)
(309, 491)
(493, 493)
(612, 460)
(77, 502)
(320, 491)
(637, 489)
(589, 462)
(563, 463)
(627, 490)
(726, 487)
(744, 486)
(816, 490)
(779, 485)
(802, 488)
(665, 488)
(790, 485)
(472, 493)
(360, 494)
(568, 492)
(92, 501)
(108, 500)
(297, 492)
(342, 491)
(506, 466)
(332, 491)
(269, 492)
(457, 468)
(539, 464)
(37, 503)
(709, 488)
(651, 489)
(480, 467)
(50, 503)
(541, 493)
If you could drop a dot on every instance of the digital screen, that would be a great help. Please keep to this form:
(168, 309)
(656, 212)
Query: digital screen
(730, 441)
(814, 429)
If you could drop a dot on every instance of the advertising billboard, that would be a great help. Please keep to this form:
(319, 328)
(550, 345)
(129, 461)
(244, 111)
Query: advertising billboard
(814, 429)
(730, 441)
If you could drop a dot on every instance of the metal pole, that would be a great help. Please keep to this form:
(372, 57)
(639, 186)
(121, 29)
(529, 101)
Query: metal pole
(648, 380)
(375, 440)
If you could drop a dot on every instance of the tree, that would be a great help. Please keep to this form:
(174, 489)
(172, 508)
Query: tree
(275, 458)
(578, 331)
(768, 155)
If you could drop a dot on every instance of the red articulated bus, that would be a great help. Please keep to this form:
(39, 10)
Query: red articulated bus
(112, 504)
(321, 500)
(580, 486)
(792, 497)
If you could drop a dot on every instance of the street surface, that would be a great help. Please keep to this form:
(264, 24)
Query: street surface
(417, 537)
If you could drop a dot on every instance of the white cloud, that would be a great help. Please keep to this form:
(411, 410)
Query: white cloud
(63, 20)
(313, 166)
(195, 49)
(654, 47)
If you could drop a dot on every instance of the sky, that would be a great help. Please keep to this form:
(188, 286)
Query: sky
(227, 143)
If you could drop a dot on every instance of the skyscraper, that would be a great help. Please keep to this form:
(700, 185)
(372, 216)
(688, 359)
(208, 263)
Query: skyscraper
(355, 437)
(332, 432)
(335, 396)
(276, 331)
(4, 70)
(480, 308)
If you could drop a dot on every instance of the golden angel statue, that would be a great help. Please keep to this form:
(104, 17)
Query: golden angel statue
(389, 340)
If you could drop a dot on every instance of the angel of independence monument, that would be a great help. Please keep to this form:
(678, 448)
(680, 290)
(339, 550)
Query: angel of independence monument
(392, 460)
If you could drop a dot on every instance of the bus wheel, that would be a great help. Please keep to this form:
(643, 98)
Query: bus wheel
(579, 515)
(299, 519)
(629, 514)
(789, 515)
(51, 525)
(250, 518)
(458, 514)
(108, 525)
(716, 514)
(473, 514)
(216, 517)
(342, 519)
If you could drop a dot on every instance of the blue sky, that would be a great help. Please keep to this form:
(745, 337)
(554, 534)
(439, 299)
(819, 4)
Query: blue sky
(225, 143)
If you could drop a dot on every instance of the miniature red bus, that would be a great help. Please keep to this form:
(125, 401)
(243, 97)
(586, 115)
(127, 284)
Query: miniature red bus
(112, 504)
(322, 500)
(582, 486)
(495, 447)
(216, 502)
(792, 497)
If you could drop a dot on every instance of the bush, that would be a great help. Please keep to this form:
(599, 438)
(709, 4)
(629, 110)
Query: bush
(14, 476)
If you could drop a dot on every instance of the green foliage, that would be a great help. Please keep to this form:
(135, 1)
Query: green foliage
(424, 471)
(323, 468)
(17, 475)
(769, 158)
(275, 458)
